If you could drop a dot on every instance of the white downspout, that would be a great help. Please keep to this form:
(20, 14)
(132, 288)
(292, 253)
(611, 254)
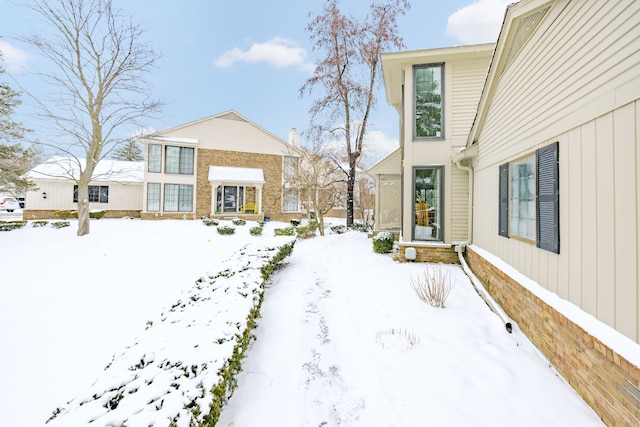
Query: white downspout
(461, 247)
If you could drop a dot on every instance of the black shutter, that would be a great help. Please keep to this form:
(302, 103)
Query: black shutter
(548, 199)
(503, 209)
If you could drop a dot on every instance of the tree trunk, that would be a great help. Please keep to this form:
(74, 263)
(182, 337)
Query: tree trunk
(350, 185)
(83, 209)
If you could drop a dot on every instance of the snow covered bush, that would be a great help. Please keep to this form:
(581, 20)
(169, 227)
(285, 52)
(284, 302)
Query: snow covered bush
(96, 214)
(238, 221)
(433, 287)
(40, 223)
(359, 226)
(289, 231)
(182, 370)
(383, 242)
(339, 229)
(60, 224)
(226, 229)
(255, 231)
(11, 225)
(209, 221)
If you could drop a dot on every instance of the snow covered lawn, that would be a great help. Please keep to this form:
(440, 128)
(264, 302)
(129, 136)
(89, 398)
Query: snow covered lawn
(343, 340)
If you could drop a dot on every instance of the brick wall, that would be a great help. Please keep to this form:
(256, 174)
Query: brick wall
(271, 166)
(445, 255)
(605, 380)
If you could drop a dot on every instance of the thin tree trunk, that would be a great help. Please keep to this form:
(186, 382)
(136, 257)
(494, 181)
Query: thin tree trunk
(350, 186)
(83, 209)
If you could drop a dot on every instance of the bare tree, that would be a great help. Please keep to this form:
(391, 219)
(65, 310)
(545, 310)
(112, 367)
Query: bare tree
(348, 74)
(99, 63)
(319, 181)
(364, 197)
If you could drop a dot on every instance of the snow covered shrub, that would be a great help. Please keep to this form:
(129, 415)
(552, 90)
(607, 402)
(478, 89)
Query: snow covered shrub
(65, 214)
(383, 242)
(96, 214)
(359, 226)
(226, 229)
(209, 221)
(255, 231)
(339, 229)
(11, 225)
(261, 223)
(60, 224)
(238, 221)
(41, 223)
(433, 287)
(289, 231)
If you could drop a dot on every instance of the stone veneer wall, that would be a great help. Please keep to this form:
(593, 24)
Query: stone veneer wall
(48, 214)
(445, 255)
(271, 166)
(605, 380)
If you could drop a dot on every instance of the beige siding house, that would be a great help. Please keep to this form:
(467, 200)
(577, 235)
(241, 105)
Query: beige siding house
(556, 190)
(116, 188)
(435, 93)
(220, 166)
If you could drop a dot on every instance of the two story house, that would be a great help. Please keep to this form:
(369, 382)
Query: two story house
(220, 166)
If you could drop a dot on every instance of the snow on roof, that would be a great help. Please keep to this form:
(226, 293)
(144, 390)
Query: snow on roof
(236, 175)
(65, 168)
(174, 139)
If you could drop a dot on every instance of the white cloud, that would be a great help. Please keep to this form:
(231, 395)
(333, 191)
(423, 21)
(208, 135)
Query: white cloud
(277, 52)
(478, 22)
(14, 59)
(378, 145)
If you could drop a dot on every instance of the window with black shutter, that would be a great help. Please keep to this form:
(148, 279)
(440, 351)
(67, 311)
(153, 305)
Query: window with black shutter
(547, 200)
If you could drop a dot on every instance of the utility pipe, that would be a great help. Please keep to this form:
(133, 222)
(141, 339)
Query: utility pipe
(461, 247)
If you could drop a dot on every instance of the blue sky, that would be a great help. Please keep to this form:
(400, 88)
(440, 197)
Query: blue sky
(252, 56)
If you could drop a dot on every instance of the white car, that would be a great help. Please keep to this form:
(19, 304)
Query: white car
(9, 204)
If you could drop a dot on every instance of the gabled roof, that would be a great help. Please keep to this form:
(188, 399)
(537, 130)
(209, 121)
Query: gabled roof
(521, 20)
(227, 115)
(389, 161)
(68, 168)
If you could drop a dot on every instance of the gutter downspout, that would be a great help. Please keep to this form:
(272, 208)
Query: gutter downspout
(461, 247)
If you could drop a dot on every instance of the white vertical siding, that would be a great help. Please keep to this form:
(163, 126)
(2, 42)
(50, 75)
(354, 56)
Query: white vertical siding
(577, 82)
(459, 204)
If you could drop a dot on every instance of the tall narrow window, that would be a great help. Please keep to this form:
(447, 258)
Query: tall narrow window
(290, 168)
(153, 197)
(522, 202)
(155, 158)
(428, 210)
(289, 200)
(428, 101)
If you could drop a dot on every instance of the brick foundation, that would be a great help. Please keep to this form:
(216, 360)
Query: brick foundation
(604, 379)
(445, 255)
(48, 214)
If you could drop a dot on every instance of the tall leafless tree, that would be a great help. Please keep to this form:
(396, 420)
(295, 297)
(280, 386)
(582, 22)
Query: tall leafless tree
(348, 74)
(99, 61)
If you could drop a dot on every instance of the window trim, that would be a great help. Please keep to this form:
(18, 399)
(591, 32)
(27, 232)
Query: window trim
(440, 65)
(547, 199)
(441, 224)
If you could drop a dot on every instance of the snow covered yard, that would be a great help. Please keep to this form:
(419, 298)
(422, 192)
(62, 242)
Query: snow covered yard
(343, 340)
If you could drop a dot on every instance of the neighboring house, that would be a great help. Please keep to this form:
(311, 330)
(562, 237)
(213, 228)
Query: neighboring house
(436, 93)
(220, 166)
(116, 188)
(553, 162)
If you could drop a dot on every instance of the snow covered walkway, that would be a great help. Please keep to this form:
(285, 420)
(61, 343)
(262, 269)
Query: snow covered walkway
(344, 341)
